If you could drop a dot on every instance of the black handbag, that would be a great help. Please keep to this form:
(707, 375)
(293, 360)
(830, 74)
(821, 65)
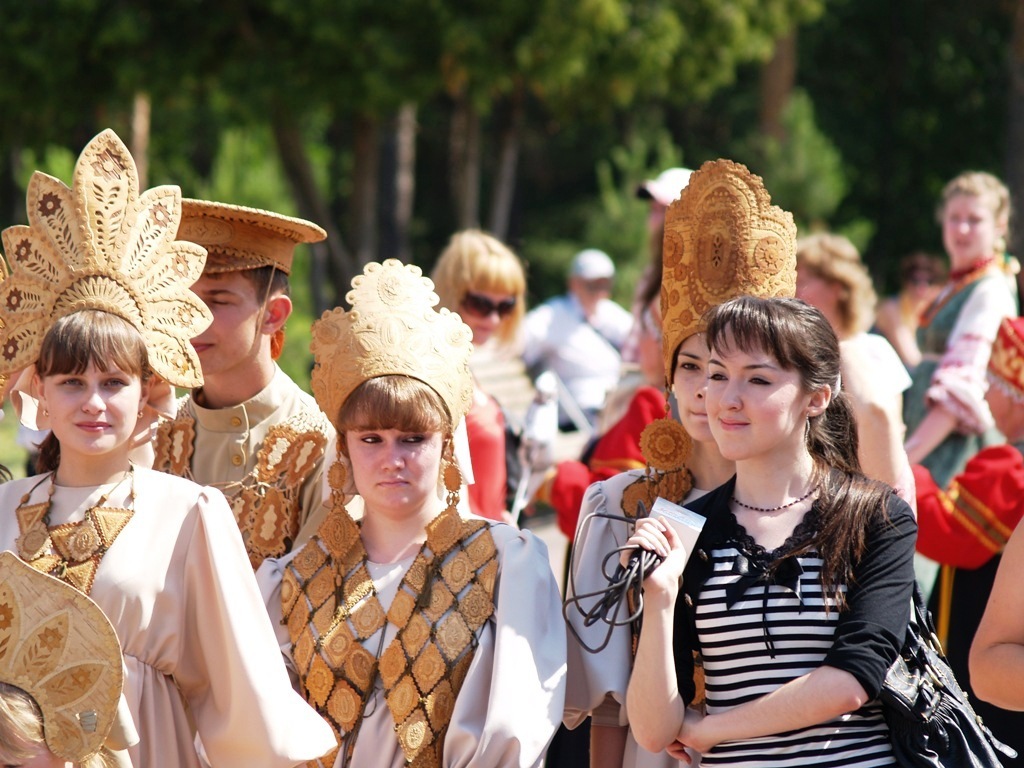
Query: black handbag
(931, 722)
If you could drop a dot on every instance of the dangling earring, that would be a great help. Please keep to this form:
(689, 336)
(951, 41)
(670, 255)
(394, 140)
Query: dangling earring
(452, 484)
(664, 443)
(277, 343)
(337, 476)
(338, 531)
(452, 478)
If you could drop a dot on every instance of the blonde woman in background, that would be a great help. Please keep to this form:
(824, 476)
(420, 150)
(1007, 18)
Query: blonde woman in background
(945, 410)
(831, 276)
(481, 279)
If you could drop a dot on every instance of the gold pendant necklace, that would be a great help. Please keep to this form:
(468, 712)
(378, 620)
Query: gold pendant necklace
(72, 551)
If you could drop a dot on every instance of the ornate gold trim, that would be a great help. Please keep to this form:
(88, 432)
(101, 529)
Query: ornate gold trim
(444, 600)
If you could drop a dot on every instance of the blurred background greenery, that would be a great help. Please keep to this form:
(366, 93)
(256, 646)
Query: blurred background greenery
(11, 454)
(395, 124)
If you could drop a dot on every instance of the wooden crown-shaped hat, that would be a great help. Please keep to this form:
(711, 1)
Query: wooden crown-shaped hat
(102, 245)
(58, 646)
(392, 328)
(723, 239)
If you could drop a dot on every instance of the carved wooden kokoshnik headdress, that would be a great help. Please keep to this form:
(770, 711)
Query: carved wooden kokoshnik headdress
(58, 646)
(392, 328)
(723, 239)
(102, 245)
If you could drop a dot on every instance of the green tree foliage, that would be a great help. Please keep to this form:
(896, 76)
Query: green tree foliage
(804, 170)
(911, 93)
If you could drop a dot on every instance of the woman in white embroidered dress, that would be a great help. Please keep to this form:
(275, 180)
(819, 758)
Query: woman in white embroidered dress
(96, 279)
(423, 637)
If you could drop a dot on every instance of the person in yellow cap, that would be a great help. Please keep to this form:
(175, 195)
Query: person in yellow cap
(95, 309)
(249, 431)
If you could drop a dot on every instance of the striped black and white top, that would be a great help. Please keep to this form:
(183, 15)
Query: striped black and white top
(772, 634)
(759, 620)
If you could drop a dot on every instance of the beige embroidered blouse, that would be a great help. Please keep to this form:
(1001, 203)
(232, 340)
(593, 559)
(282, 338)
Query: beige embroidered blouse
(265, 455)
(192, 626)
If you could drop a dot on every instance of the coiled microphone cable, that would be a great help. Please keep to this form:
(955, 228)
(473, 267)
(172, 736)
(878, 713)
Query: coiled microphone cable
(625, 585)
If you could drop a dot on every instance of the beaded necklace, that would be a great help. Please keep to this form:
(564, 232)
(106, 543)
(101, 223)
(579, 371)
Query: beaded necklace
(781, 507)
(72, 551)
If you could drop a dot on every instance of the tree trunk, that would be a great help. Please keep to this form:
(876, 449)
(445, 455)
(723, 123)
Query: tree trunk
(508, 161)
(464, 151)
(141, 111)
(1015, 127)
(313, 206)
(778, 78)
(365, 178)
(397, 187)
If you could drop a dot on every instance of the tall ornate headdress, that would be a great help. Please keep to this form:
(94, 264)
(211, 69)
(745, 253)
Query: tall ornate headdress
(102, 245)
(723, 239)
(392, 328)
(1006, 365)
(58, 646)
(239, 238)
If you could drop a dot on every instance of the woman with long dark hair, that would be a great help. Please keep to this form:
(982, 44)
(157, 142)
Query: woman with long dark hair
(798, 593)
(702, 268)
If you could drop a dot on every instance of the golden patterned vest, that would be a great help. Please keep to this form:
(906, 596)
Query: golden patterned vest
(267, 503)
(331, 608)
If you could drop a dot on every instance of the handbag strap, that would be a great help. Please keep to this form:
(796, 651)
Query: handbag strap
(921, 628)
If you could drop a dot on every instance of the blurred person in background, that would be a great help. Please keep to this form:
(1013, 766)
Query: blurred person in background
(660, 192)
(945, 410)
(579, 337)
(617, 449)
(481, 279)
(897, 318)
(947, 418)
(831, 276)
(965, 526)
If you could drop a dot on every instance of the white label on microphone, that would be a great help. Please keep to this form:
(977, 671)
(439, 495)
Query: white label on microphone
(685, 523)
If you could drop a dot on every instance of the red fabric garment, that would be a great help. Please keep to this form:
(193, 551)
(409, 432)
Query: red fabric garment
(485, 427)
(969, 522)
(616, 450)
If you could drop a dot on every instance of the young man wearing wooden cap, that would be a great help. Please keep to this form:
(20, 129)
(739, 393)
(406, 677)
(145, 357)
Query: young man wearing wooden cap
(249, 430)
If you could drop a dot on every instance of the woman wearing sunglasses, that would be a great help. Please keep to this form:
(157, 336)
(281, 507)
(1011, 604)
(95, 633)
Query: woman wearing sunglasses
(480, 278)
